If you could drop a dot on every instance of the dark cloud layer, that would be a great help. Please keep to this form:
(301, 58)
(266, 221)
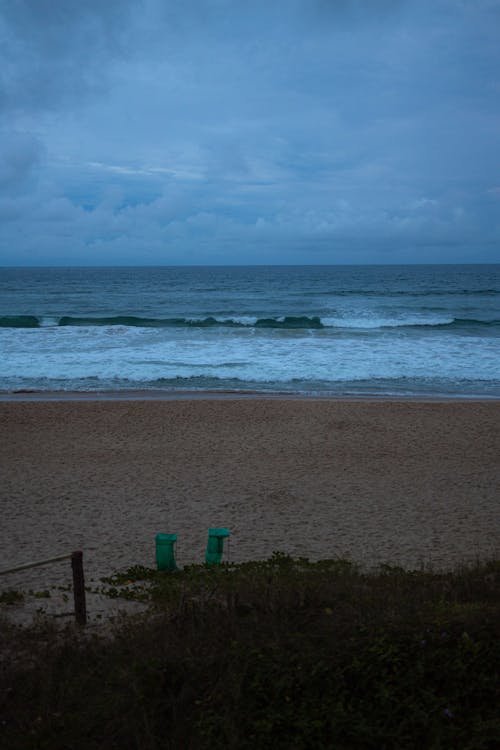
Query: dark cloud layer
(20, 154)
(213, 131)
(56, 51)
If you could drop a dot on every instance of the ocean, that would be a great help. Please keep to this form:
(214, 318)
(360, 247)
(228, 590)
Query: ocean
(312, 330)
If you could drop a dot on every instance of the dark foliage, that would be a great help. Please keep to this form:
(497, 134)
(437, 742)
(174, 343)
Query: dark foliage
(277, 654)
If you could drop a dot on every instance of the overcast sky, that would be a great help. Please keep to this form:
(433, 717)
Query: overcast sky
(249, 131)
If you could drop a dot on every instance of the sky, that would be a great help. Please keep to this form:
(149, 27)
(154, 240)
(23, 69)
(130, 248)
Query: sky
(198, 132)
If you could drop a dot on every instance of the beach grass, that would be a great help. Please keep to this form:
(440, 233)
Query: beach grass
(282, 653)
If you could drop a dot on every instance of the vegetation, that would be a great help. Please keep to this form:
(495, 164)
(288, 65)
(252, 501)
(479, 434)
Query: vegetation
(277, 654)
(11, 596)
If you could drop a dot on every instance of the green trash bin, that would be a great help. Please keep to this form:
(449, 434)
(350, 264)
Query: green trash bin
(215, 545)
(165, 558)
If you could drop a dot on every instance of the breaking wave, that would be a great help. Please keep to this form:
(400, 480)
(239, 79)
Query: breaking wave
(289, 322)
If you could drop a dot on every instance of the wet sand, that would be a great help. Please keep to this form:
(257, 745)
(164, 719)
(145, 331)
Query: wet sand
(413, 483)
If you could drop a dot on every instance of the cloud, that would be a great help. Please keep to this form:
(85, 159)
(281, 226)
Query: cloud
(177, 227)
(210, 130)
(20, 156)
(56, 51)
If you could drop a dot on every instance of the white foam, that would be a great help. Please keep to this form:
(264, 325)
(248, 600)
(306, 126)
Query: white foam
(143, 355)
(361, 322)
(48, 321)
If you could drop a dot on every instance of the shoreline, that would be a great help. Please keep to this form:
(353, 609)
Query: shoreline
(28, 395)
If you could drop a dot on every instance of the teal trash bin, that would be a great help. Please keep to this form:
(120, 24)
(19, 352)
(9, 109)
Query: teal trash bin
(215, 545)
(165, 558)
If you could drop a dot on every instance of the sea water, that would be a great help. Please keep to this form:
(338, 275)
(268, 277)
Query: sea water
(353, 330)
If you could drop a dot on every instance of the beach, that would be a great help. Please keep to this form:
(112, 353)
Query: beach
(410, 483)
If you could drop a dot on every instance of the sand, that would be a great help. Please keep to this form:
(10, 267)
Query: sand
(412, 483)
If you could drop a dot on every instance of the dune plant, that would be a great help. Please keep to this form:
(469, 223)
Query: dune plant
(282, 653)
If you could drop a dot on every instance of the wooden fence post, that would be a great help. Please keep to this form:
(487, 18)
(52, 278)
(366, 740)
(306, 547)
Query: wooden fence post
(79, 587)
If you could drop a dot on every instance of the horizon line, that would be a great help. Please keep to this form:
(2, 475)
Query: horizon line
(246, 265)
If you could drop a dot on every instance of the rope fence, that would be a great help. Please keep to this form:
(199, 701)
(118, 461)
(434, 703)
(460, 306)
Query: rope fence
(78, 579)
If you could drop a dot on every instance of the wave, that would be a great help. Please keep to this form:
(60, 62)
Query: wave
(455, 323)
(409, 323)
(289, 322)
(402, 293)
(137, 322)
(119, 387)
(19, 321)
